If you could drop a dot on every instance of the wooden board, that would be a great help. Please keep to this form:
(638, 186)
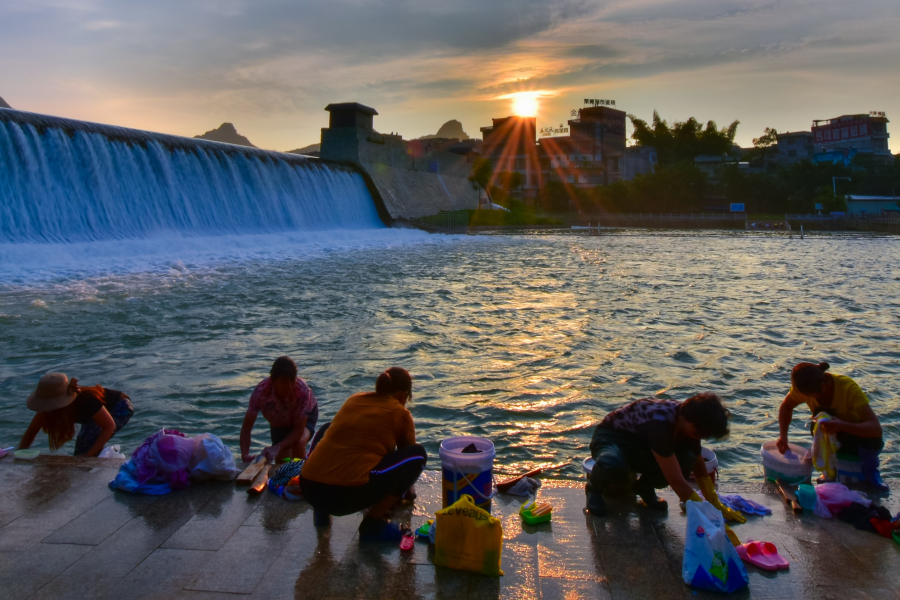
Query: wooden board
(506, 484)
(249, 474)
(790, 497)
(259, 484)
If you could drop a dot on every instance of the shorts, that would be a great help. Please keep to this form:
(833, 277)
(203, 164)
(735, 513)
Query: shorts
(278, 434)
(89, 433)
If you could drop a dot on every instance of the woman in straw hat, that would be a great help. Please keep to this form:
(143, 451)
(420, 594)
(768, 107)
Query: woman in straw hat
(59, 403)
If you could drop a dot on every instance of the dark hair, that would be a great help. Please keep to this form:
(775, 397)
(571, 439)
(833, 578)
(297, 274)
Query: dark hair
(809, 378)
(284, 366)
(395, 379)
(707, 414)
(59, 424)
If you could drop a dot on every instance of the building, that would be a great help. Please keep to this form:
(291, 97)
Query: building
(510, 145)
(850, 135)
(592, 154)
(639, 160)
(600, 130)
(872, 205)
(406, 179)
(794, 146)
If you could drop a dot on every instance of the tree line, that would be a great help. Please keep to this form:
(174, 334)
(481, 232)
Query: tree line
(678, 185)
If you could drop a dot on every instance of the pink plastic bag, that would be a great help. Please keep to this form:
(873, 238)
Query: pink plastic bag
(835, 496)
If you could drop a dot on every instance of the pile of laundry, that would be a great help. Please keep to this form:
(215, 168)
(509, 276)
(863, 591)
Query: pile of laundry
(169, 460)
(836, 500)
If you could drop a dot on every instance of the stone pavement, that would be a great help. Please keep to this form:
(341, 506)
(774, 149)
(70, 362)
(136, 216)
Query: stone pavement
(64, 534)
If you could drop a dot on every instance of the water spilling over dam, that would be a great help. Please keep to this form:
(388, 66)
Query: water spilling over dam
(67, 181)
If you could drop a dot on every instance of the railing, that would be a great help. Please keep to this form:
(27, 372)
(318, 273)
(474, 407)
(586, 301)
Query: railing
(444, 222)
(607, 217)
(892, 218)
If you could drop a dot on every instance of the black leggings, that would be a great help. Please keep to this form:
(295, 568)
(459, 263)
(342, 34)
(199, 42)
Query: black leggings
(619, 453)
(393, 476)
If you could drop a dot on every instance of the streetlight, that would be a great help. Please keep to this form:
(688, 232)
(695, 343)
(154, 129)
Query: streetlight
(834, 185)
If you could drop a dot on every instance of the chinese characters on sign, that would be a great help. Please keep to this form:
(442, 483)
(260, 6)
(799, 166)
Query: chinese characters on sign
(876, 113)
(844, 130)
(549, 131)
(597, 102)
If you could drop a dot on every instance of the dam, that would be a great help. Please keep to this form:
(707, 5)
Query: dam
(66, 181)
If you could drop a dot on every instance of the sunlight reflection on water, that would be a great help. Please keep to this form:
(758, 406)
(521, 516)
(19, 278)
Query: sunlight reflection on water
(528, 340)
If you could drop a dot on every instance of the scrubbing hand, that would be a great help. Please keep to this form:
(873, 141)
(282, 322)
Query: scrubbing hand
(709, 492)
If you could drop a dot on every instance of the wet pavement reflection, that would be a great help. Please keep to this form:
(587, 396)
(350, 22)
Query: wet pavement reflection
(63, 534)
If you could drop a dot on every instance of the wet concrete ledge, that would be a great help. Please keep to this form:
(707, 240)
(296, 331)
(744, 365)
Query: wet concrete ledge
(64, 534)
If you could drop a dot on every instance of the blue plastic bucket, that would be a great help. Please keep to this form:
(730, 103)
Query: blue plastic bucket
(470, 474)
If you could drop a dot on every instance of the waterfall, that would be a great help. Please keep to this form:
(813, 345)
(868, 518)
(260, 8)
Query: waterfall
(66, 181)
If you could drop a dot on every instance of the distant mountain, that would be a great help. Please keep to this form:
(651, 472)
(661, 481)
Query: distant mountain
(3, 104)
(307, 149)
(226, 133)
(450, 130)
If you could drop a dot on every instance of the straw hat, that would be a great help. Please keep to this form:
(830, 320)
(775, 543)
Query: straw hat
(52, 392)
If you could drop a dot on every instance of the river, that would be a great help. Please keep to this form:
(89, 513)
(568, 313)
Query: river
(526, 339)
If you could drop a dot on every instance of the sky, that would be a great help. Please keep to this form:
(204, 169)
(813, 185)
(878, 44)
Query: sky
(271, 66)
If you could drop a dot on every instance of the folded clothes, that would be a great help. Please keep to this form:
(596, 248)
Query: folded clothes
(748, 507)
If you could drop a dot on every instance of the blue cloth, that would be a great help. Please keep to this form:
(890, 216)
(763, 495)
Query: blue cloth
(748, 507)
(126, 480)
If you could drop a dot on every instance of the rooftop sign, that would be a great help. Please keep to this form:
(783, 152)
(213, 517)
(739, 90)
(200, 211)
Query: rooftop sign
(852, 129)
(551, 131)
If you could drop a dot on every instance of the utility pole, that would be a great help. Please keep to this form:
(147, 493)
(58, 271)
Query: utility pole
(834, 184)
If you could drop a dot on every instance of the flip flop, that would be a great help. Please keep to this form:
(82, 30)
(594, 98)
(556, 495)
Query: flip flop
(751, 553)
(408, 541)
(770, 551)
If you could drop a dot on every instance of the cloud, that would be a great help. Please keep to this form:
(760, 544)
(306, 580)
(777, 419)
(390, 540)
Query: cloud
(184, 66)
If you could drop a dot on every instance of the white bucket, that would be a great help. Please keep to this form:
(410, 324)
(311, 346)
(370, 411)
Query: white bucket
(712, 463)
(470, 474)
(793, 470)
(588, 466)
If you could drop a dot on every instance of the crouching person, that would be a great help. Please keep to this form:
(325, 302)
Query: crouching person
(660, 441)
(289, 406)
(367, 458)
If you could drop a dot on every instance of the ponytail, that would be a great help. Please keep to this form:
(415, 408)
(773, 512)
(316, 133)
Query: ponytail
(383, 384)
(824, 366)
(395, 379)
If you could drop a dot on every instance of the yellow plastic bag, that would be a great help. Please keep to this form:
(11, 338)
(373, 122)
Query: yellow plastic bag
(468, 538)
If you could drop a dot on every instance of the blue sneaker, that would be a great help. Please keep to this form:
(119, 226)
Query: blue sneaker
(321, 518)
(379, 530)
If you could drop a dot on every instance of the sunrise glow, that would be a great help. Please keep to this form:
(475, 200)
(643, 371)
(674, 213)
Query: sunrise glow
(525, 104)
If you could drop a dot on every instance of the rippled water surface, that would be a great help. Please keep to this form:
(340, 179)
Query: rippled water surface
(528, 340)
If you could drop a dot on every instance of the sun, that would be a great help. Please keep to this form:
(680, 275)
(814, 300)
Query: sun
(525, 104)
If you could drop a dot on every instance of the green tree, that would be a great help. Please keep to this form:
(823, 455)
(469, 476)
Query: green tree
(509, 180)
(481, 174)
(768, 139)
(684, 140)
(763, 147)
(681, 187)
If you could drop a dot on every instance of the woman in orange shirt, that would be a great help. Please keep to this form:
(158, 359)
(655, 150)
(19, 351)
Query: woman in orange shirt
(366, 458)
